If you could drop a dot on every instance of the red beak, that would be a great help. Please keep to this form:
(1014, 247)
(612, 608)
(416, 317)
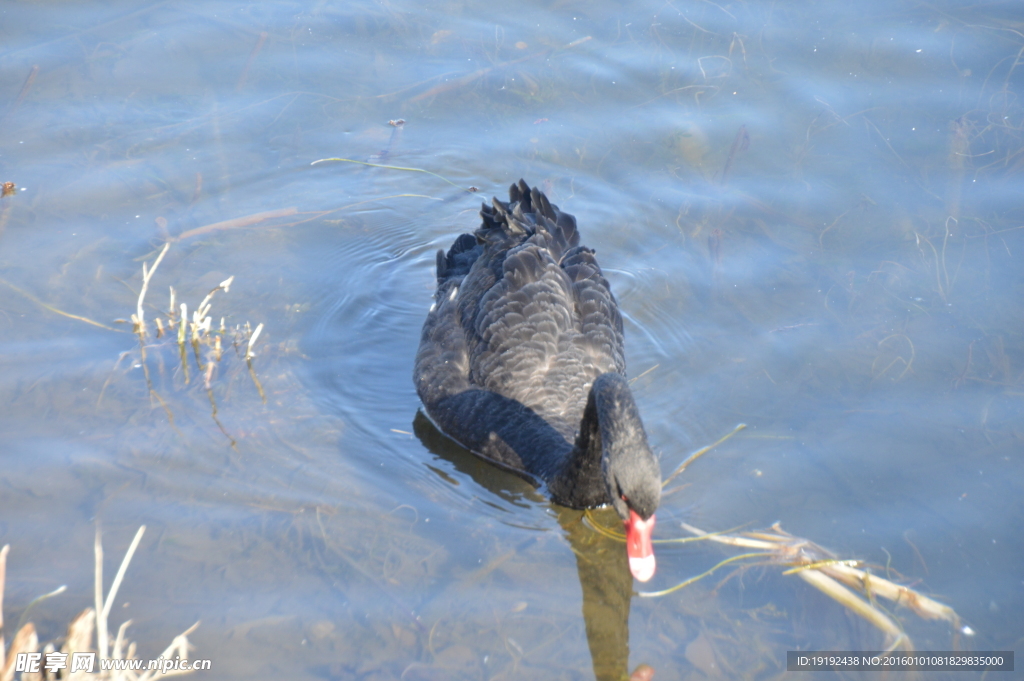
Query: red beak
(639, 547)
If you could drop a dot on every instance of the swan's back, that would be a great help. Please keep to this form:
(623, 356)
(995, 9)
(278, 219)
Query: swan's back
(522, 324)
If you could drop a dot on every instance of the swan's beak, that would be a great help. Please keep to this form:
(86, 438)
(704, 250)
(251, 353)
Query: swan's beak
(639, 547)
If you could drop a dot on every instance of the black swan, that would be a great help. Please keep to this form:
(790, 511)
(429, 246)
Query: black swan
(521, 361)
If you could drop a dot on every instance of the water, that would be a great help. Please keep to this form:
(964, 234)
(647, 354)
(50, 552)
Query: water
(809, 216)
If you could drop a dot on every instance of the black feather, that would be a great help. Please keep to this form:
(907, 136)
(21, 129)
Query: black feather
(521, 358)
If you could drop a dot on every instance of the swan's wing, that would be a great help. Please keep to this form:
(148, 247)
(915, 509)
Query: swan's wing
(459, 259)
(494, 425)
(522, 328)
(544, 330)
(442, 361)
(600, 323)
(482, 421)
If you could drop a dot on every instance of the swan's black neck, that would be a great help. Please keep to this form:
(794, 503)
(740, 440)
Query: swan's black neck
(611, 461)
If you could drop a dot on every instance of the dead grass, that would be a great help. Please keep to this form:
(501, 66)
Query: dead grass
(87, 633)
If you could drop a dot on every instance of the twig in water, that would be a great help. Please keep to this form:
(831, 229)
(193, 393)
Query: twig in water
(249, 354)
(822, 570)
(381, 165)
(238, 222)
(37, 600)
(740, 144)
(24, 91)
(700, 452)
(139, 317)
(103, 607)
(252, 57)
(51, 308)
(469, 78)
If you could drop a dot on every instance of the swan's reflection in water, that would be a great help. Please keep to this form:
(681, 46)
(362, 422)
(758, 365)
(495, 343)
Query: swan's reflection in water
(601, 562)
(607, 589)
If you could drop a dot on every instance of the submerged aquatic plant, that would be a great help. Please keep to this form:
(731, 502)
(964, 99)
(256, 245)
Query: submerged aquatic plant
(197, 333)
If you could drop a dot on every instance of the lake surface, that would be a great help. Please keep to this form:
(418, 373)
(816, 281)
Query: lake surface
(810, 214)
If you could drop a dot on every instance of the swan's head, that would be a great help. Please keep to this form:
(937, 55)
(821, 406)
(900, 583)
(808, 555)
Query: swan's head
(638, 493)
(631, 471)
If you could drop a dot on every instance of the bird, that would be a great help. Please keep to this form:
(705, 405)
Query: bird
(521, 361)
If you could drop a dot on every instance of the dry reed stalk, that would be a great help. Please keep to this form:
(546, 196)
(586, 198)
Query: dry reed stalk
(821, 569)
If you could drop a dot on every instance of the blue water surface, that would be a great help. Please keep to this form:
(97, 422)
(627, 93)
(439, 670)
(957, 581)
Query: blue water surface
(809, 213)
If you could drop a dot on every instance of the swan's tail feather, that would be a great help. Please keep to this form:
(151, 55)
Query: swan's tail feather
(528, 212)
(520, 192)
